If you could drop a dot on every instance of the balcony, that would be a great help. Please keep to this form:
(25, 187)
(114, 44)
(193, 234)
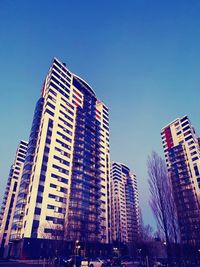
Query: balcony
(15, 237)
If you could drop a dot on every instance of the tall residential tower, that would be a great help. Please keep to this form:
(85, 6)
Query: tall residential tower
(10, 197)
(182, 154)
(124, 204)
(65, 183)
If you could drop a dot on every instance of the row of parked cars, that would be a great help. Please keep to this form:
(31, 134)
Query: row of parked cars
(79, 261)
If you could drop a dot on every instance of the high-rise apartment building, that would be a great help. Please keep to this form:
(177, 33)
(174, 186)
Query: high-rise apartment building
(124, 204)
(65, 182)
(182, 154)
(10, 197)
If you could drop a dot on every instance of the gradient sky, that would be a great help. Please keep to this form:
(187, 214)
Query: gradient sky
(142, 58)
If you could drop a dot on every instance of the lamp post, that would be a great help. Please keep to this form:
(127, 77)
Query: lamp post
(198, 255)
(139, 251)
(77, 247)
(115, 251)
(76, 251)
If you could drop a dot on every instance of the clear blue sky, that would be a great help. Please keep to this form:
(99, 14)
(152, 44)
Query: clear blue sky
(141, 57)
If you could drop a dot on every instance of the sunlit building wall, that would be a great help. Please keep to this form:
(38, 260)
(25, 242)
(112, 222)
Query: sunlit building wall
(124, 204)
(10, 197)
(65, 183)
(182, 154)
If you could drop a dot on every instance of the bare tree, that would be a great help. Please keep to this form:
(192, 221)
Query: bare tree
(145, 231)
(162, 202)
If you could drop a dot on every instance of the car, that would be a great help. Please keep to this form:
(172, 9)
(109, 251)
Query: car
(115, 261)
(72, 261)
(96, 263)
(127, 263)
(159, 262)
(130, 262)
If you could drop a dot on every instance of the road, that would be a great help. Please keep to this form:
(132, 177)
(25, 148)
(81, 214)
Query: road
(17, 264)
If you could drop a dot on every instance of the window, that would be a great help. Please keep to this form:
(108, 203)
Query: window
(44, 168)
(184, 118)
(37, 211)
(50, 105)
(60, 199)
(22, 160)
(188, 138)
(51, 207)
(48, 231)
(61, 79)
(188, 132)
(191, 142)
(195, 158)
(53, 185)
(193, 153)
(64, 137)
(15, 187)
(48, 140)
(64, 129)
(185, 123)
(61, 160)
(186, 128)
(45, 159)
(52, 98)
(42, 177)
(67, 109)
(35, 223)
(75, 97)
(63, 144)
(49, 112)
(62, 152)
(21, 155)
(66, 116)
(41, 188)
(63, 190)
(58, 89)
(67, 103)
(39, 199)
(66, 123)
(46, 149)
(106, 123)
(63, 74)
(60, 179)
(62, 170)
(62, 67)
(196, 170)
(49, 218)
(51, 91)
(58, 221)
(105, 127)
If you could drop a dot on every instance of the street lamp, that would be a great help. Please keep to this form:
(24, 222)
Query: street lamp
(115, 249)
(140, 256)
(198, 254)
(77, 247)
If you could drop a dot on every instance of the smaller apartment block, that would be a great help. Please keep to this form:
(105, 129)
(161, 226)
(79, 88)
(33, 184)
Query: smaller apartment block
(124, 204)
(182, 154)
(10, 197)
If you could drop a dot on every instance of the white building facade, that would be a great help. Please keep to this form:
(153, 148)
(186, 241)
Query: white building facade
(124, 204)
(10, 198)
(65, 183)
(182, 154)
